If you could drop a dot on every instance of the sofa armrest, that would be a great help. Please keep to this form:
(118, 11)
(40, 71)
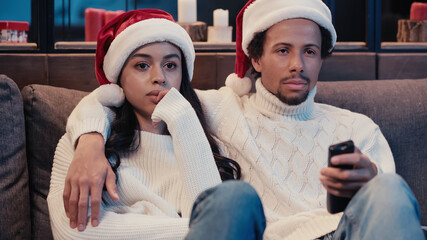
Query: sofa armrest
(14, 193)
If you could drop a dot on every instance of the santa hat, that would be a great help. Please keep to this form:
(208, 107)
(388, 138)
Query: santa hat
(259, 15)
(131, 30)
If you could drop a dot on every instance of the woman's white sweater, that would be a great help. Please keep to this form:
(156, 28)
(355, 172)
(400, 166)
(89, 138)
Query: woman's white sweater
(156, 184)
(281, 150)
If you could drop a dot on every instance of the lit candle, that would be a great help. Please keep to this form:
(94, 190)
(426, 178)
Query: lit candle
(220, 17)
(187, 11)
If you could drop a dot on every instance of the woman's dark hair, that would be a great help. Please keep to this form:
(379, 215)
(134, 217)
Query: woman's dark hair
(124, 139)
(256, 47)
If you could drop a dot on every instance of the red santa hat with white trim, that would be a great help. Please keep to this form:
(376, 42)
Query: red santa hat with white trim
(259, 15)
(131, 30)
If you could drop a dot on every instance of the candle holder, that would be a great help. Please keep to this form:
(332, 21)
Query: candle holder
(220, 34)
(197, 30)
(414, 29)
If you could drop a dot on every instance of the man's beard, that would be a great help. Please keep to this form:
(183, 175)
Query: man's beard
(293, 101)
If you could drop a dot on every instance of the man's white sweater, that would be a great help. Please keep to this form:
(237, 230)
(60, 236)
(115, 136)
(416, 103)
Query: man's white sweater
(155, 184)
(281, 150)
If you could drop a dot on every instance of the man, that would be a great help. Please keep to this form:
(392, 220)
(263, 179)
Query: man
(280, 136)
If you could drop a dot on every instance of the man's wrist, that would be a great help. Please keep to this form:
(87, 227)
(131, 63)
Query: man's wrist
(94, 139)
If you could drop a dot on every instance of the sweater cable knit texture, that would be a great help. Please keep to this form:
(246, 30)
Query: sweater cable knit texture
(281, 150)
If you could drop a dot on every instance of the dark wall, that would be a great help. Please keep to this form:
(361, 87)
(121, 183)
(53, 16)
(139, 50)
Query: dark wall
(350, 20)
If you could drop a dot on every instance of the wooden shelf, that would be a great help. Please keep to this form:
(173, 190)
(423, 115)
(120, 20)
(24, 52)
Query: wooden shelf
(201, 46)
(75, 45)
(197, 46)
(207, 46)
(18, 46)
(404, 45)
(350, 45)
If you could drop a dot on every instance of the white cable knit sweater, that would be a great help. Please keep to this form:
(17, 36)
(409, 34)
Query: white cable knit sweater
(155, 183)
(281, 150)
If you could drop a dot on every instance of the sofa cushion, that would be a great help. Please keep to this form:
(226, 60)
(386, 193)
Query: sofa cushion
(399, 107)
(46, 112)
(14, 201)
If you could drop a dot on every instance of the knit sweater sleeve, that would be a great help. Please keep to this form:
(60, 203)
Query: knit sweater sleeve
(371, 142)
(213, 103)
(192, 150)
(93, 114)
(113, 224)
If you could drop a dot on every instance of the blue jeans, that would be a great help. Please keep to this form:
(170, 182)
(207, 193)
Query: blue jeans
(385, 208)
(231, 210)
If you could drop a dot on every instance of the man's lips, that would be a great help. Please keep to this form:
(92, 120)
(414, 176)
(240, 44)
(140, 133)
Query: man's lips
(295, 84)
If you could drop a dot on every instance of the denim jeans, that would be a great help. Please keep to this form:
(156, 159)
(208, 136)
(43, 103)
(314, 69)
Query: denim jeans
(231, 210)
(385, 208)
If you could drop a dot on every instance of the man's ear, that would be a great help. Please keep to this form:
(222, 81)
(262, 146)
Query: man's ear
(256, 64)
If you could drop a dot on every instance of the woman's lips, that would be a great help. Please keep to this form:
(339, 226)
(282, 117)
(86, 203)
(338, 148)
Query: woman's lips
(153, 96)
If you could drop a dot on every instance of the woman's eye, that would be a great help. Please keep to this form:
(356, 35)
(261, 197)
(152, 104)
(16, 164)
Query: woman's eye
(170, 65)
(283, 50)
(142, 65)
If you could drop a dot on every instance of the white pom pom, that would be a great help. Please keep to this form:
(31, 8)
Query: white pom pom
(110, 95)
(240, 86)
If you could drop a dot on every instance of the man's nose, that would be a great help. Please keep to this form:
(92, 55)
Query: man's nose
(297, 63)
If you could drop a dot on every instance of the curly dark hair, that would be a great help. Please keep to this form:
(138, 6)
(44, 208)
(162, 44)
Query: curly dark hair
(256, 47)
(124, 139)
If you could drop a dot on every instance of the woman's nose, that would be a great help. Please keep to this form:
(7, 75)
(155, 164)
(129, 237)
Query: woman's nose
(158, 77)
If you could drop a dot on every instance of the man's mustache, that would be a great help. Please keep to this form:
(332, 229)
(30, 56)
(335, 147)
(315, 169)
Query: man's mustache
(296, 76)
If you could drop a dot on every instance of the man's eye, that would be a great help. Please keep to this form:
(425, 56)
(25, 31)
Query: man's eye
(310, 51)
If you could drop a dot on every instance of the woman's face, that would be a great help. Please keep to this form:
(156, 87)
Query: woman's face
(148, 70)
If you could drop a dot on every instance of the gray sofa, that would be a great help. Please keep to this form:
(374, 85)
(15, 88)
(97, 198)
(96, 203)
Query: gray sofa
(33, 120)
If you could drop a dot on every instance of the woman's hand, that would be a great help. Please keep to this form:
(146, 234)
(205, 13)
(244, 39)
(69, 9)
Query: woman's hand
(159, 98)
(86, 176)
(346, 182)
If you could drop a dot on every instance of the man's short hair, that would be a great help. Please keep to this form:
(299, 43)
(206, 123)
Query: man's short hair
(256, 47)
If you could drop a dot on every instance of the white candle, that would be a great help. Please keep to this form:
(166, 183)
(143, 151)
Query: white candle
(187, 11)
(220, 17)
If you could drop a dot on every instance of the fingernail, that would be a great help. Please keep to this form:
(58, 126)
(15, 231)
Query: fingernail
(95, 223)
(72, 224)
(81, 227)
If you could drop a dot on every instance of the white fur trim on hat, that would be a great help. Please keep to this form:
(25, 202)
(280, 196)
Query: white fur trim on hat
(142, 33)
(110, 95)
(240, 86)
(262, 14)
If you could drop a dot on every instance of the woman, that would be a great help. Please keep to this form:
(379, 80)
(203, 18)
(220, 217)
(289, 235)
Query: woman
(159, 147)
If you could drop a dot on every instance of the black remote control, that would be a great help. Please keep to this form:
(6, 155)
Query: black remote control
(334, 203)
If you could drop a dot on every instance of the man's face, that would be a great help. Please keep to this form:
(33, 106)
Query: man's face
(291, 60)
